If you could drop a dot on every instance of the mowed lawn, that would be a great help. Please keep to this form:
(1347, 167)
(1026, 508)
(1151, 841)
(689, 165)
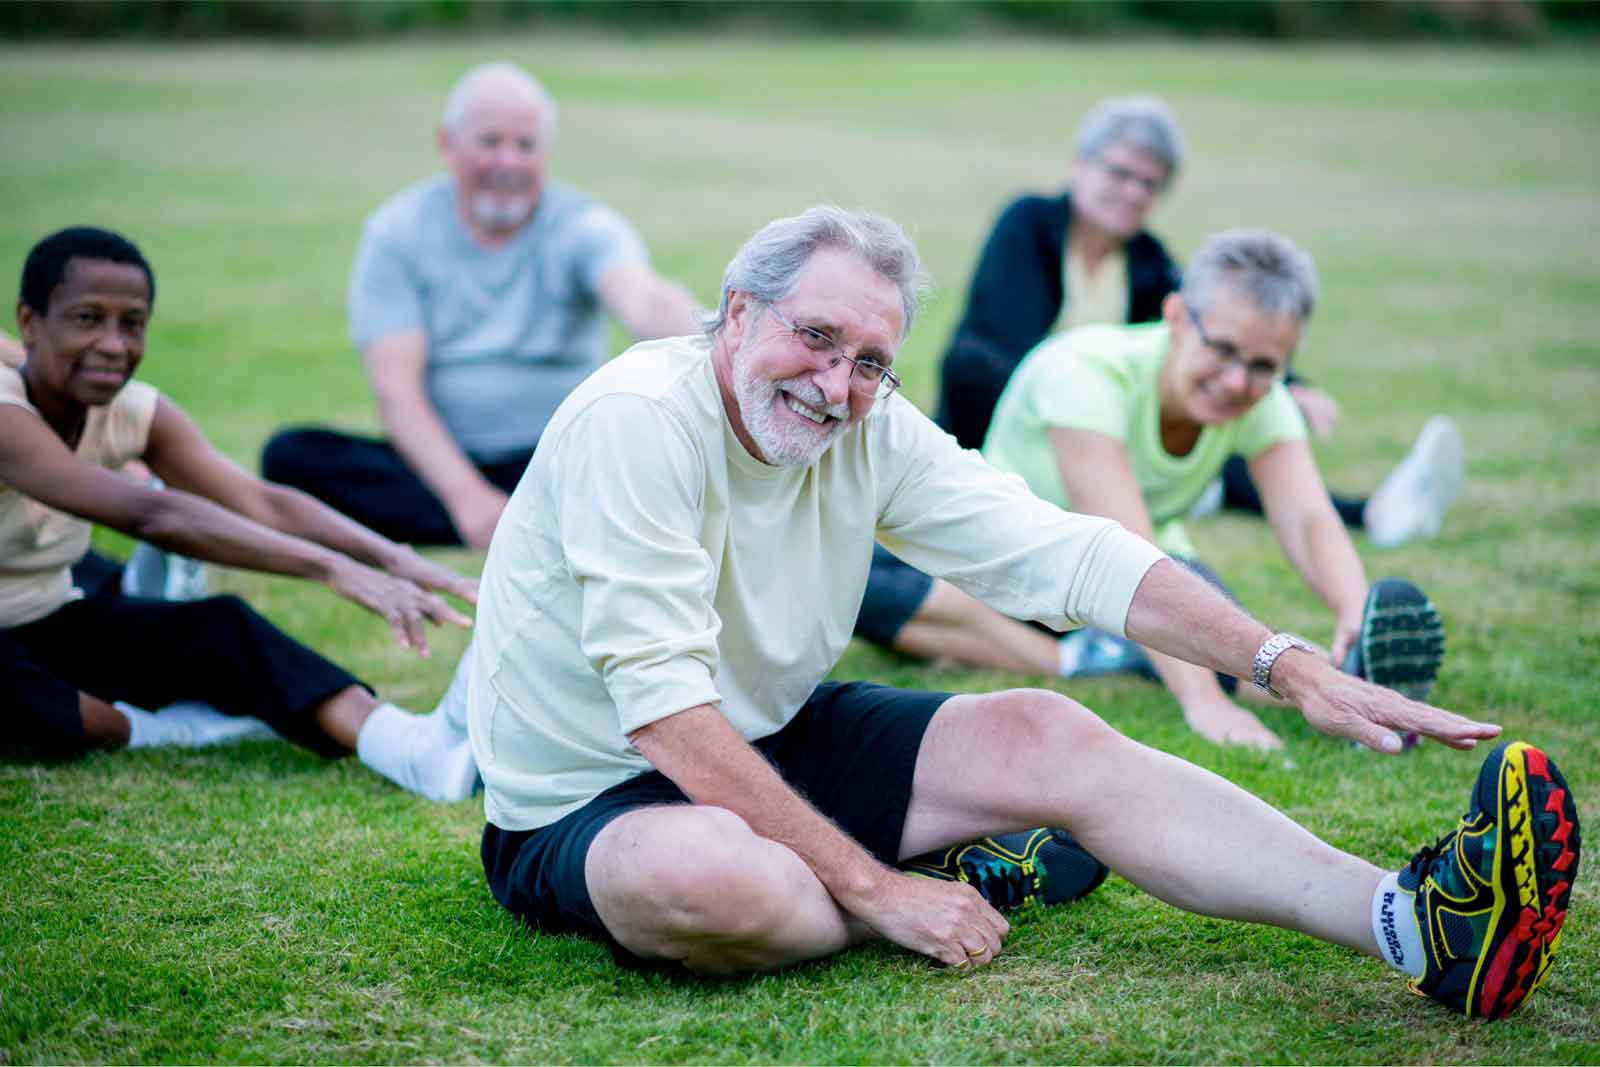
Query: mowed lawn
(260, 904)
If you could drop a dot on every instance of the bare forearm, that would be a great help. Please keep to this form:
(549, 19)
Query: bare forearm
(701, 752)
(300, 515)
(1331, 566)
(666, 311)
(193, 526)
(1186, 681)
(1177, 612)
(422, 440)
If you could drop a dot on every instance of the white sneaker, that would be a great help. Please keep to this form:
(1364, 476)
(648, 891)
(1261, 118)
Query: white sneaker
(158, 575)
(1209, 502)
(1412, 501)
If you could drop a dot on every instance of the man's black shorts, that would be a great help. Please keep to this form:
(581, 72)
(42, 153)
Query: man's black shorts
(851, 751)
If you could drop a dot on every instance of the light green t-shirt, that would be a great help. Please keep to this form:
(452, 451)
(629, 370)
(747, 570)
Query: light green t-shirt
(1107, 379)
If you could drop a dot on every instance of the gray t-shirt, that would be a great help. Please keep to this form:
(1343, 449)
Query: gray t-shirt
(511, 331)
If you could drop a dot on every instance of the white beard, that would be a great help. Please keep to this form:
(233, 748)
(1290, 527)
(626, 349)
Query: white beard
(498, 214)
(785, 441)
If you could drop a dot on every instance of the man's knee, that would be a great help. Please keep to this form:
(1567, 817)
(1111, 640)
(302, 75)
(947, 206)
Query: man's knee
(1044, 721)
(290, 456)
(675, 875)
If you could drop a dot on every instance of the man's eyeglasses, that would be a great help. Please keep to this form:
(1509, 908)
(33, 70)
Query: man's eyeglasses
(868, 377)
(1260, 373)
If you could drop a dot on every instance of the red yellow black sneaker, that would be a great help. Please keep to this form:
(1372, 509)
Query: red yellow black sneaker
(1029, 868)
(1490, 896)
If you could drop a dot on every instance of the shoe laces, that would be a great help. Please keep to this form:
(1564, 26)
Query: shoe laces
(1427, 856)
(1004, 884)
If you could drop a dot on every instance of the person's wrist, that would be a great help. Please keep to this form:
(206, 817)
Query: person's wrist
(1272, 650)
(328, 566)
(1295, 672)
(858, 887)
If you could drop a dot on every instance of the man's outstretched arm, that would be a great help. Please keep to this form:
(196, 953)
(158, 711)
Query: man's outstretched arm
(1179, 613)
(396, 365)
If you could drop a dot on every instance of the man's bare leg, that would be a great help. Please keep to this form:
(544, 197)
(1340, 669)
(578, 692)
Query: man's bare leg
(952, 625)
(695, 884)
(1027, 758)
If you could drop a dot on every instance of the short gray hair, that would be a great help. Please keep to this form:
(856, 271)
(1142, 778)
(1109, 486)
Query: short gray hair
(471, 84)
(1272, 271)
(769, 263)
(1144, 121)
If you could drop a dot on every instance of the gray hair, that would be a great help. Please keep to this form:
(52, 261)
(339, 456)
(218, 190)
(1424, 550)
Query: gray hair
(1272, 271)
(768, 265)
(503, 72)
(1144, 121)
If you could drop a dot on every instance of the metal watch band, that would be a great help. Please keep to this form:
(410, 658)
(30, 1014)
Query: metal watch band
(1267, 655)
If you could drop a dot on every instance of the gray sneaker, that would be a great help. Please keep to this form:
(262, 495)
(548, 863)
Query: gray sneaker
(1401, 643)
(158, 575)
(1090, 653)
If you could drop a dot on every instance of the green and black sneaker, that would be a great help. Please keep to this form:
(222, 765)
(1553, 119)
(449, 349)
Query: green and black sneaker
(1026, 869)
(1490, 896)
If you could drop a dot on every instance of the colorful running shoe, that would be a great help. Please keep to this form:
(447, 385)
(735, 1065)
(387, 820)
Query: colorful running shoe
(1490, 896)
(1401, 643)
(1026, 869)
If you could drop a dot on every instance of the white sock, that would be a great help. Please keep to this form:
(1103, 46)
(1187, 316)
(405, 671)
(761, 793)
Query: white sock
(1394, 926)
(148, 731)
(420, 753)
(208, 726)
(188, 724)
(453, 705)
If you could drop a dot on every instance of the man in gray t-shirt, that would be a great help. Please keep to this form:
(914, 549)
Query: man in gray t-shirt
(478, 301)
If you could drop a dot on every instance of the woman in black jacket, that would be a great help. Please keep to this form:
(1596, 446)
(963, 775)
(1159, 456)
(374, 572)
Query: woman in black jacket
(1091, 237)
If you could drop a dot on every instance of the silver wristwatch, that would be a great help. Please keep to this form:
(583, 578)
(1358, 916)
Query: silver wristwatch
(1267, 655)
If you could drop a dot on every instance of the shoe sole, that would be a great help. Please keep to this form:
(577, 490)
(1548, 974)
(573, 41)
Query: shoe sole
(1402, 639)
(1535, 863)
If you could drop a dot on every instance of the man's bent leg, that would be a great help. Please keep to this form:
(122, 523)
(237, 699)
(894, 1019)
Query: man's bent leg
(695, 884)
(1027, 758)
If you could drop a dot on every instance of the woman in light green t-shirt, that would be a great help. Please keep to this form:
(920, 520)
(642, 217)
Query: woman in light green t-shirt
(1133, 422)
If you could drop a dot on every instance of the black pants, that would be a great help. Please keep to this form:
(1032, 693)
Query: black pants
(1239, 493)
(368, 480)
(972, 376)
(152, 653)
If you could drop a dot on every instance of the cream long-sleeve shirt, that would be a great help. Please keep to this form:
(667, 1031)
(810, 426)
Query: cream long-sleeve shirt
(647, 564)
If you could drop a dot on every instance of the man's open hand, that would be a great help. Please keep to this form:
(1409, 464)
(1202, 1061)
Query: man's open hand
(1345, 706)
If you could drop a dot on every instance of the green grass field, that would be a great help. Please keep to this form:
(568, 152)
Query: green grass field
(260, 904)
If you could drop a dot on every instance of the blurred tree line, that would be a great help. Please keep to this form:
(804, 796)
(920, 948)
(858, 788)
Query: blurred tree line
(1504, 20)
